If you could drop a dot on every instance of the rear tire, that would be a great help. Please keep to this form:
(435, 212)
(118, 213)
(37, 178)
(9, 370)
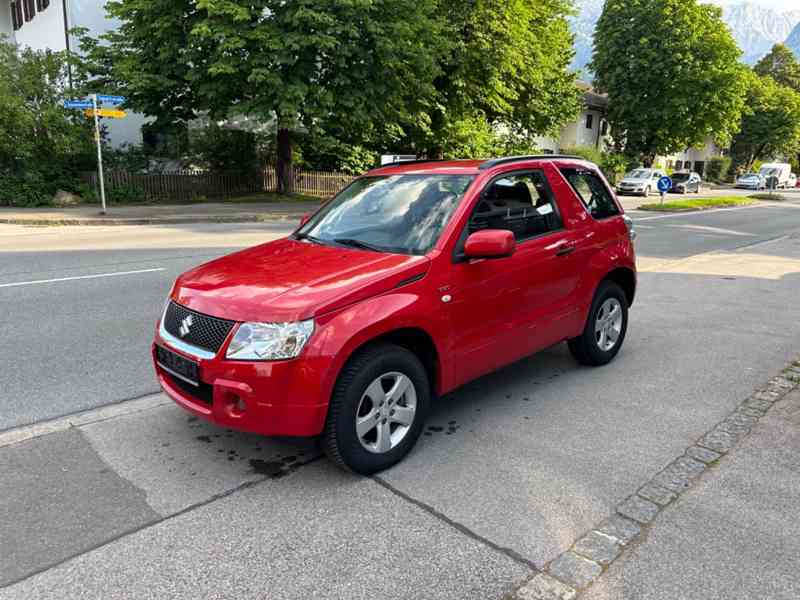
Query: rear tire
(605, 328)
(378, 387)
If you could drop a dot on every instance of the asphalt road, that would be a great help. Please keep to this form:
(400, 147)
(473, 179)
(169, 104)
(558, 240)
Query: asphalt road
(81, 343)
(513, 468)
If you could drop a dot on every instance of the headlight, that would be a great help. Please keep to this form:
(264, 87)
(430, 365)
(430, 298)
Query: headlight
(269, 341)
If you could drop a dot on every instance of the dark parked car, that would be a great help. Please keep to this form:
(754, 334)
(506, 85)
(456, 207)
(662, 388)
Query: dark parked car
(684, 182)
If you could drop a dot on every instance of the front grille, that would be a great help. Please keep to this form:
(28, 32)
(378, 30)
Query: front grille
(203, 331)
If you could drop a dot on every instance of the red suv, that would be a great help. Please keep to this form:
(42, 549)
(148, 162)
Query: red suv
(414, 280)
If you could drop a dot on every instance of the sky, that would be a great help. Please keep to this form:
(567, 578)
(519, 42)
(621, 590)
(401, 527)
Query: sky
(780, 5)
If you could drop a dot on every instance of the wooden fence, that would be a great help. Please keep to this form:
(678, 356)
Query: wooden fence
(187, 186)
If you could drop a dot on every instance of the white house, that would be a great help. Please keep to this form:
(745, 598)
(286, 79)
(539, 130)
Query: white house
(694, 159)
(589, 129)
(45, 24)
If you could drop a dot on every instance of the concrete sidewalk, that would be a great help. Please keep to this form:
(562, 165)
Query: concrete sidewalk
(221, 212)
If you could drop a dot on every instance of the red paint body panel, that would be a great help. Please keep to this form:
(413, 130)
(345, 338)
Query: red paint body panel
(479, 314)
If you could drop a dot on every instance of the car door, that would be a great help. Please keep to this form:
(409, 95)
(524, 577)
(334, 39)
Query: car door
(504, 309)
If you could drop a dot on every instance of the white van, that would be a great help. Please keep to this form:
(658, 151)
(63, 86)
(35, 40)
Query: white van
(777, 172)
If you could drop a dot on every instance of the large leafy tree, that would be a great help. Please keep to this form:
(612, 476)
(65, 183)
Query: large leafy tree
(42, 145)
(352, 65)
(782, 66)
(671, 71)
(771, 124)
(505, 68)
(36, 132)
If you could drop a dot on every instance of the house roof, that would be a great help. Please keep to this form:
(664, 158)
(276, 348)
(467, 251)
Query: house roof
(591, 98)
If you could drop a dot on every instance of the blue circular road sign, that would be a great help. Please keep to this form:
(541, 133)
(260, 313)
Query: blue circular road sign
(664, 185)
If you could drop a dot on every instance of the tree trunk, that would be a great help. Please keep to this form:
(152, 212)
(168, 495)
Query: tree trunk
(648, 160)
(283, 167)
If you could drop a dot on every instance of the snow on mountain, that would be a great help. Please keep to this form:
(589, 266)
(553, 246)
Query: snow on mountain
(755, 28)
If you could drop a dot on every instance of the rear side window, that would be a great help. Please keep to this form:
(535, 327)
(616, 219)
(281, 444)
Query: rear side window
(521, 203)
(592, 191)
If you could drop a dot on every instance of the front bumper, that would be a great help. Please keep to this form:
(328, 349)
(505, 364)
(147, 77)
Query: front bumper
(280, 398)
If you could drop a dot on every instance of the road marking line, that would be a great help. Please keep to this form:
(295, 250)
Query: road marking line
(98, 276)
(704, 228)
(104, 413)
(701, 212)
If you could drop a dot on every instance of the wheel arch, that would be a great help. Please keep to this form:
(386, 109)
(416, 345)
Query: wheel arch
(624, 278)
(416, 340)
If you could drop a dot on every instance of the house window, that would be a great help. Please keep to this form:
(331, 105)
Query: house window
(28, 9)
(678, 165)
(700, 167)
(604, 127)
(16, 14)
(42, 4)
(589, 120)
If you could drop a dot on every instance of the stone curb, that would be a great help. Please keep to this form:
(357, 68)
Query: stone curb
(589, 557)
(113, 221)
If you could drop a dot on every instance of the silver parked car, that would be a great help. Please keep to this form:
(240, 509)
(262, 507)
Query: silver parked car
(641, 182)
(684, 182)
(751, 181)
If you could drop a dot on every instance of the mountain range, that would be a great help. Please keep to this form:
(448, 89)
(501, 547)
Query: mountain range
(755, 28)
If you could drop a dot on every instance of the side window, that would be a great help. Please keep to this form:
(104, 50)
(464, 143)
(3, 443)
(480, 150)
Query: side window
(521, 203)
(592, 192)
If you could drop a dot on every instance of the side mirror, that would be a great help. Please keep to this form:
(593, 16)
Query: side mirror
(490, 243)
(305, 219)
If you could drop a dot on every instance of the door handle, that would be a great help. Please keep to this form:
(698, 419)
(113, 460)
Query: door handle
(565, 250)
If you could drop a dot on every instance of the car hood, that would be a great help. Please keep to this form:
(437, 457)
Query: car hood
(289, 280)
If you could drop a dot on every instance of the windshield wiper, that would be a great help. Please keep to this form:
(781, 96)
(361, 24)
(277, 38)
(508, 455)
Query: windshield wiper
(358, 244)
(310, 238)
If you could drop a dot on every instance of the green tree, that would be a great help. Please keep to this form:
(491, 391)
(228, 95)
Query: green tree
(671, 71)
(771, 125)
(354, 65)
(504, 76)
(42, 145)
(782, 66)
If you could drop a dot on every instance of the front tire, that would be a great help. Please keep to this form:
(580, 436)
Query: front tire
(605, 328)
(377, 410)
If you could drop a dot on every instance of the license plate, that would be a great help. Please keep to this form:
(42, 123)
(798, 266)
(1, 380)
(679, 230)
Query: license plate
(177, 365)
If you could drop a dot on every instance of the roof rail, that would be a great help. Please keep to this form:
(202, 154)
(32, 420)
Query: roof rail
(494, 162)
(409, 162)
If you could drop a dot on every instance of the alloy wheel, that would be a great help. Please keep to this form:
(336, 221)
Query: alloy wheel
(608, 324)
(386, 412)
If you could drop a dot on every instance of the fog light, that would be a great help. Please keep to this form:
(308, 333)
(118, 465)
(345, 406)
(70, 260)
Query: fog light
(235, 406)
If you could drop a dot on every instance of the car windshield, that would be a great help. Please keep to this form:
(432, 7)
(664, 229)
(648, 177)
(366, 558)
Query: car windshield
(403, 214)
(639, 174)
(678, 177)
(750, 176)
(770, 172)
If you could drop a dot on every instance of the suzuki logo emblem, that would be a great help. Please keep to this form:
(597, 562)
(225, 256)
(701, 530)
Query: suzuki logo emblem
(186, 325)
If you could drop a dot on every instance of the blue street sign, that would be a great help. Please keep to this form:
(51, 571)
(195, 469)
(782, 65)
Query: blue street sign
(78, 104)
(111, 99)
(664, 185)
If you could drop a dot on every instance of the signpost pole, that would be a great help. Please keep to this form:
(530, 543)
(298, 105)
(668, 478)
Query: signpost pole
(99, 155)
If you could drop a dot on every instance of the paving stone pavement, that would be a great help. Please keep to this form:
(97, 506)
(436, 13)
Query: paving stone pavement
(580, 567)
